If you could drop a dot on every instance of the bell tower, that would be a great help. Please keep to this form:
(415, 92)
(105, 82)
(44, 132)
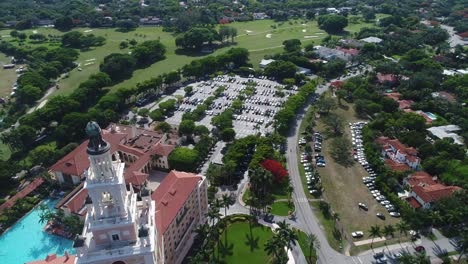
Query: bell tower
(117, 226)
(105, 181)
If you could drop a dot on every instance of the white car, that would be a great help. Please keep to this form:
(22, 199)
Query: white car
(395, 214)
(357, 234)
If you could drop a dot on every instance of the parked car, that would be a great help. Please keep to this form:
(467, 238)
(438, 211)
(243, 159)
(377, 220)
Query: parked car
(363, 206)
(420, 249)
(381, 216)
(357, 234)
(395, 214)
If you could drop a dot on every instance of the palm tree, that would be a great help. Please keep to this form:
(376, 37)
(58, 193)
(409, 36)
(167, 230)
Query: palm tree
(462, 245)
(403, 228)
(285, 233)
(389, 230)
(226, 201)
(273, 246)
(374, 232)
(290, 191)
(312, 241)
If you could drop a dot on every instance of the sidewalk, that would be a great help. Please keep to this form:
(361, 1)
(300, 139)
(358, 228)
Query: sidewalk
(369, 241)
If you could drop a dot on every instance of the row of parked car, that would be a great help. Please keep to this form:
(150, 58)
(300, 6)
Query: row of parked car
(312, 177)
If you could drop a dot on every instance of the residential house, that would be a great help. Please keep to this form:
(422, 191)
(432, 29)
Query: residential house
(402, 104)
(394, 150)
(353, 43)
(263, 63)
(373, 40)
(425, 190)
(150, 21)
(260, 16)
(447, 131)
(444, 95)
(332, 54)
(387, 79)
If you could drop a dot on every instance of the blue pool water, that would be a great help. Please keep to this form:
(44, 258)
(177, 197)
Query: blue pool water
(431, 115)
(26, 241)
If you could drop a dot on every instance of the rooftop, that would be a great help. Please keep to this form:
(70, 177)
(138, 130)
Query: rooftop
(54, 259)
(171, 195)
(431, 193)
(447, 132)
(372, 40)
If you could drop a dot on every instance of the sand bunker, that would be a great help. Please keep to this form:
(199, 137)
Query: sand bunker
(304, 30)
(320, 33)
(34, 31)
(89, 30)
(268, 36)
(93, 59)
(308, 37)
(304, 24)
(249, 31)
(89, 63)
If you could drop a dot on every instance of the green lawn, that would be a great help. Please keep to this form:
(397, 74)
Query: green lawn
(257, 36)
(7, 77)
(242, 246)
(281, 208)
(5, 152)
(328, 225)
(311, 256)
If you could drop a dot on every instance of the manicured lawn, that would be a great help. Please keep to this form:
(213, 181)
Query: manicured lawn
(242, 247)
(7, 77)
(259, 37)
(281, 208)
(343, 186)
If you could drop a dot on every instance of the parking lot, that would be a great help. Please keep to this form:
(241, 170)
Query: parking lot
(261, 102)
(343, 186)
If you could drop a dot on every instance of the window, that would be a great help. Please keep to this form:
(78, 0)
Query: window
(115, 237)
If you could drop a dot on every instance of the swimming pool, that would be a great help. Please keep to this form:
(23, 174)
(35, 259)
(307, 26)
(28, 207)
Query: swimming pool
(26, 241)
(431, 115)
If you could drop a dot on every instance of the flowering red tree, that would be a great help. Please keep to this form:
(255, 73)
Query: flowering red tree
(276, 168)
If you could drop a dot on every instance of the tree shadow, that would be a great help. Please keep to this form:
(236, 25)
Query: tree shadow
(343, 107)
(226, 250)
(252, 241)
(336, 234)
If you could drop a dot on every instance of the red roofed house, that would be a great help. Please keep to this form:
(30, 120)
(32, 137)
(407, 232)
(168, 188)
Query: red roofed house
(181, 205)
(426, 190)
(54, 259)
(142, 150)
(398, 152)
(402, 104)
(337, 84)
(389, 79)
(352, 52)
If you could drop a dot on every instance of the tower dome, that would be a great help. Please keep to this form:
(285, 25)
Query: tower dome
(96, 145)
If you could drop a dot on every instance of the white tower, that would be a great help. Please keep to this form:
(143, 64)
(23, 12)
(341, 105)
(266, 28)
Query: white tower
(118, 228)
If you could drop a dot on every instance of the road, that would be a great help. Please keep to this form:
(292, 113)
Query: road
(454, 39)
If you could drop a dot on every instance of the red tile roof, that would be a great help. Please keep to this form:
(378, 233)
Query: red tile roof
(386, 77)
(54, 259)
(337, 84)
(136, 141)
(394, 96)
(413, 202)
(77, 161)
(397, 166)
(353, 52)
(404, 104)
(171, 195)
(434, 192)
(76, 203)
(420, 178)
(21, 194)
(447, 96)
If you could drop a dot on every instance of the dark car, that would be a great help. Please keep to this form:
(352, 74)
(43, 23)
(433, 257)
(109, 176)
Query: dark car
(381, 216)
(420, 249)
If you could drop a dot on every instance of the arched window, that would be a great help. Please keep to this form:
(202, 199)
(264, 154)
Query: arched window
(106, 197)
